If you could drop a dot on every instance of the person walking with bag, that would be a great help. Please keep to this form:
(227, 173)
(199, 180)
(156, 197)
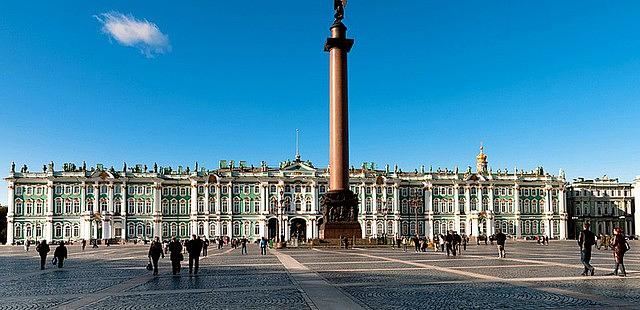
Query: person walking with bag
(620, 246)
(501, 239)
(175, 248)
(43, 249)
(586, 241)
(155, 251)
(60, 254)
(263, 246)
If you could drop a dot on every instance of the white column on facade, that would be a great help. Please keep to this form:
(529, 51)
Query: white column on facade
(396, 200)
(110, 202)
(157, 210)
(10, 212)
(206, 202)
(428, 198)
(467, 199)
(374, 228)
(491, 206)
(218, 199)
(123, 209)
(229, 200)
(309, 233)
(49, 188)
(83, 198)
(636, 212)
(362, 199)
(261, 225)
(193, 203)
(263, 195)
(516, 206)
(314, 198)
(106, 229)
(475, 229)
(96, 197)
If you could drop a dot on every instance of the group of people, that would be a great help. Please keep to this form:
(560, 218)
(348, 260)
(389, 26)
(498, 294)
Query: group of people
(618, 243)
(452, 242)
(59, 255)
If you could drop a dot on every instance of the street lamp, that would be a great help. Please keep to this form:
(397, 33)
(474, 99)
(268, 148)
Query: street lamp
(415, 201)
(279, 242)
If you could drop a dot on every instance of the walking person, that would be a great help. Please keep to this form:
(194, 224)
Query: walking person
(620, 246)
(586, 240)
(501, 239)
(404, 244)
(243, 242)
(449, 243)
(60, 254)
(95, 244)
(84, 244)
(416, 243)
(176, 256)
(155, 251)
(43, 249)
(194, 247)
(263, 246)
(457, 239)
(205, 245)
(27, 244)
(465, 240)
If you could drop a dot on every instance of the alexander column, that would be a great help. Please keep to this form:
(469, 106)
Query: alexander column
(340, 204)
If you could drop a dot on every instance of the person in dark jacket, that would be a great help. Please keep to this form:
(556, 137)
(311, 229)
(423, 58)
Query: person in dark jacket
(155, 251)
(205, 245)
(60, 254)
(175, 248)
(194, 249)
(620, 246)
(586, 240)
(43, 249)
(501, 239)
(244, 242)
(84, 244)
(448, 240)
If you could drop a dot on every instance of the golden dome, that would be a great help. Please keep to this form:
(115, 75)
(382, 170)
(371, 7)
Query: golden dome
(482, 156)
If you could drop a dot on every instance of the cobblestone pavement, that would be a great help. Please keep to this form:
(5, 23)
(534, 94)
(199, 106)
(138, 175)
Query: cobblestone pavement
(531, 277)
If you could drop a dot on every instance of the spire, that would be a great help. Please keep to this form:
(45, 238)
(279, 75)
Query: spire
(481, 160)
(297, 145)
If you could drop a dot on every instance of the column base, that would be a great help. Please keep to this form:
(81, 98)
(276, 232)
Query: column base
(340, 210)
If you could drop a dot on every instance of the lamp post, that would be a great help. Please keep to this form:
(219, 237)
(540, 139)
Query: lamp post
(279, 242)
(415, 201)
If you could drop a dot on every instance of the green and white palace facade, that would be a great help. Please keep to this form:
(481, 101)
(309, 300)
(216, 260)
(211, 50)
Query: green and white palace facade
(234, 201)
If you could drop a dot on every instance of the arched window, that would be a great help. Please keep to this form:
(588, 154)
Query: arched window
(131, 206)
(183, 230)
(174, 230)
(57, 206)
(140, 230)
(148, 206)
(201, 206)
(436, 227)
(380, 228)
(212, 205)
(368, 228)
(367, 206)
(29, 207)
(212, 230)
(527, 207)
(103, 205)
(527, 227)
(165, 207)
(140, 206)
(272, 206)
(131, 230)
(224, 206)
(183, 207)
(58, 231)
(247, 206)
(76, 230)
(67, 231)
(174, 209)
(165, 230)
(236, 229)
(534, 207)
(89, 205)
(512, 228)
(405, 206)
(307, 205)
(450, 206)
(18, 231)
(18, 207)
(236, 206)
(535, 229)
(38, 231)
(201, 229)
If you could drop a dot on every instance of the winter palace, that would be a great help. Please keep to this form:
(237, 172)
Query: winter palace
(239, 200)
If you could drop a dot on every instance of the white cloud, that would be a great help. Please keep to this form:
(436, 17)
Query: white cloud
(129, 31)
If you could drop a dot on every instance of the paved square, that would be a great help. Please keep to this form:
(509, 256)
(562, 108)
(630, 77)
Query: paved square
(531, 277)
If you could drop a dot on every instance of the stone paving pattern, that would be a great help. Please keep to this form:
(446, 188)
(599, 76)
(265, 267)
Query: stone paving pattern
(531, 277)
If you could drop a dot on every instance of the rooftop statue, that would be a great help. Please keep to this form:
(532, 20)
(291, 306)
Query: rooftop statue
(338, 6)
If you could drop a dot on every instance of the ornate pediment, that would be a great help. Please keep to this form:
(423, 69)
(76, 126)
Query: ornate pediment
(298, 166)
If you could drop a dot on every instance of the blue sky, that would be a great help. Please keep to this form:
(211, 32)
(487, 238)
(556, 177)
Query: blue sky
(551, 83)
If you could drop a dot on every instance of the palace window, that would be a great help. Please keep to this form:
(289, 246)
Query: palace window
(201, 205)
(225, 189)
(405, 207)
(38, 190)
(212, 230)
(246, 190)
(236, 206)
(236, 229)
(298, 205)
(183, 191)
(103, 189)
(212, 189)
(183, 207)
(148, 206)
(58, 231)
(183, 230)
(117, 206)
(368, 205)
(67, 206)
(201, 229)
(389, 190)
(67, 189)
(76, 206)
(57, 206)
(256, 229)
(236, 189)
(165, 207)
(67, 231)
(224, 206)
(272, 206)
(308, 205)
(147, 190)
(76, 230)
(103, 205)
(116, 189)
(29, 207)
(174, 191)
